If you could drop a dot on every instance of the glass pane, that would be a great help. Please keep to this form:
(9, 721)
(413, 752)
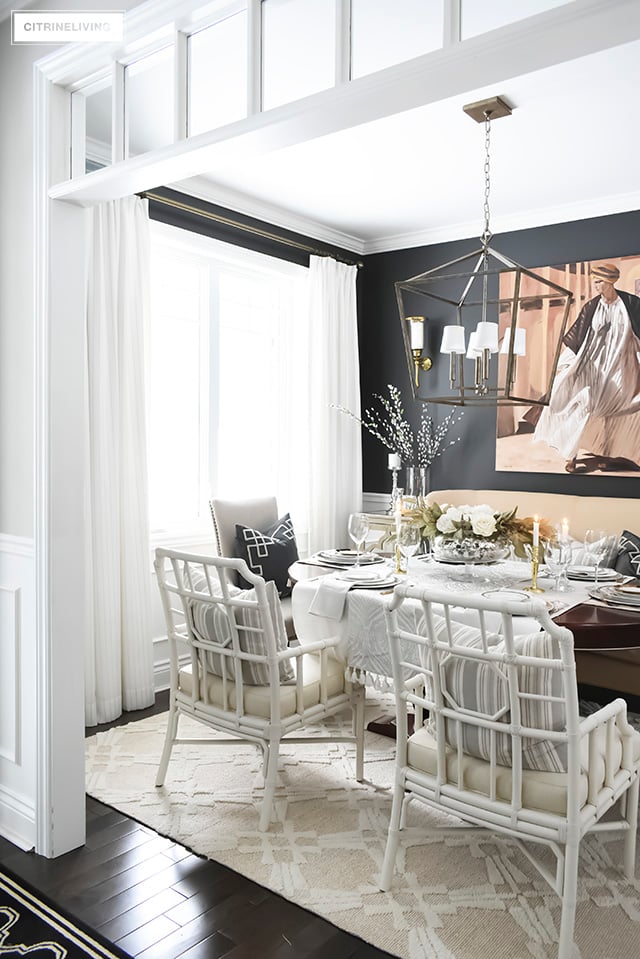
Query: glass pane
(298, 49)
(148, 102)
(409, 28)
(218, 74)
(249, 313)
(481, 17)
(97, 126)
(177, 414)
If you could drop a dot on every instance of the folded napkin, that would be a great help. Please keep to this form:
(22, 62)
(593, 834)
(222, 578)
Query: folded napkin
(330, 597)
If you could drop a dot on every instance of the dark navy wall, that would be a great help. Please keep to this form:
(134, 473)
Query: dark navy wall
(471, 463)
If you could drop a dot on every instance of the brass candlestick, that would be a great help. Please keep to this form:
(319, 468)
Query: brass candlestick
(535, 562)
(399, 568)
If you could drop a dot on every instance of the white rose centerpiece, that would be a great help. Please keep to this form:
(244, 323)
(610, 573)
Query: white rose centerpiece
(474, 534)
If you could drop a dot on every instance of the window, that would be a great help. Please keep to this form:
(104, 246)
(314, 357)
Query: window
(298, 49)
(477, 18)
(409, 27)
(228, 406)
(149, 100)
(218, 74)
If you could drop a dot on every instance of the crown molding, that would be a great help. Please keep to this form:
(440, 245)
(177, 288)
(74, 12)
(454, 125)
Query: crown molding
(524, 220)
(203, 189)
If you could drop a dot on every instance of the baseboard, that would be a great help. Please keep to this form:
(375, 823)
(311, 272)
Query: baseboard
(17, 820)
(162, 671)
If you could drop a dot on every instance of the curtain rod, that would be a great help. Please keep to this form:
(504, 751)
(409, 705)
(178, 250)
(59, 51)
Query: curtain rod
(254, 230)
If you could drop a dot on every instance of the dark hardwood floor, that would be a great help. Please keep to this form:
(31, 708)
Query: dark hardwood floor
(156, 900)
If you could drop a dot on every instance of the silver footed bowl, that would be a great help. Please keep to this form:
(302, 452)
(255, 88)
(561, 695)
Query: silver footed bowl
(469, 550)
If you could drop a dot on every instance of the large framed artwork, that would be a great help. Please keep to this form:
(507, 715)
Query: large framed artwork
(592, 423)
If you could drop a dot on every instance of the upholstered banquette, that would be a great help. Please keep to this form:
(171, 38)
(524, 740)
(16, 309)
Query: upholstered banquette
(618, 669)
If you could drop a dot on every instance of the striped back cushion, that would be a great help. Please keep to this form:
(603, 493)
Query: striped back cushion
(482, 687)
(210, 623)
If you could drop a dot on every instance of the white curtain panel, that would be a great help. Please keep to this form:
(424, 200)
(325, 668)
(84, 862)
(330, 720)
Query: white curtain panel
(335, 442)
(119, 655)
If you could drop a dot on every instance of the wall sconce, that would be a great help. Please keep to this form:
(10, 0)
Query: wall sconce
(416, 339)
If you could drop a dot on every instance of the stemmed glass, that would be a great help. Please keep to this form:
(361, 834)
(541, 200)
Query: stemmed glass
(595, 544)
(557, 556)
(358, 529)
(408, 540)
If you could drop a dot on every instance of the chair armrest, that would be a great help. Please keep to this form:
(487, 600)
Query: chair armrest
(613, 719)
(617, 707)
(418, 681)
(330, 642)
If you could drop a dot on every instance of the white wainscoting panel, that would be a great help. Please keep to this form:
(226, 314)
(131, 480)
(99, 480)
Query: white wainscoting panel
(376, 502)
(10, 673)
(17, 691)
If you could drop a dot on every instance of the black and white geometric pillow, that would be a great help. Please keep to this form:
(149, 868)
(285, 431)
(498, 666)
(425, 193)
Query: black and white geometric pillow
(270, 552)
(628, 561)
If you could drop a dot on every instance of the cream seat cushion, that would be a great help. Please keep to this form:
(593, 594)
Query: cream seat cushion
(257, 699)
(540, 790)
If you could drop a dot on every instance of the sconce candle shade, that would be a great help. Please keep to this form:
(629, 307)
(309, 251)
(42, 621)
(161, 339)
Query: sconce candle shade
(417, 332)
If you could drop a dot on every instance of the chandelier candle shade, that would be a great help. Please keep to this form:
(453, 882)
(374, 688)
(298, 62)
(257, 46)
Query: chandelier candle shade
(499, 319)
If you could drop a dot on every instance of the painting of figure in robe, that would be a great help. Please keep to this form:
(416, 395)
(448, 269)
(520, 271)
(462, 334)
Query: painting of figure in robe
(592, 422)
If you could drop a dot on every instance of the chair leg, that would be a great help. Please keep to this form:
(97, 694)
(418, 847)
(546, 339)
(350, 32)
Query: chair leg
(393, 838)
(357, 704)
(169, 740)
(569, 897)
(631, 816)
(270, 780)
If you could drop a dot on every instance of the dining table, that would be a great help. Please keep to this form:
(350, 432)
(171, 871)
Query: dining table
(358, 617)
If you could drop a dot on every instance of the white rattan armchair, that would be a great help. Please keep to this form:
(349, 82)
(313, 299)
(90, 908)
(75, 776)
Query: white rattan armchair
(232, 670)
(504, 746)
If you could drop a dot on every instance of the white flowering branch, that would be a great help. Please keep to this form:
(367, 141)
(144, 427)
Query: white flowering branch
(431, 439)
(391, 430)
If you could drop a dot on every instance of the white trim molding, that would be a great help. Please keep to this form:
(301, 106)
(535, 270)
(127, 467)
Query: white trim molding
(17, 545)
(17, 819)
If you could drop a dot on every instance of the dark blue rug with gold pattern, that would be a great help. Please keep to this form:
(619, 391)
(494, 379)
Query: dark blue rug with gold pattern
(32, 927)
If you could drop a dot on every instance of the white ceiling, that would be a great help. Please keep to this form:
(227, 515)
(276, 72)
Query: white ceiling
(570, 150)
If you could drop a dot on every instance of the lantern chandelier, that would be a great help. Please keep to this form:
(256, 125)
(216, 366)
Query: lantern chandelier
(507, 321)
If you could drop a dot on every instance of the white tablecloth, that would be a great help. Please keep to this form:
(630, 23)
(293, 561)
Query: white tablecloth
(362, 628)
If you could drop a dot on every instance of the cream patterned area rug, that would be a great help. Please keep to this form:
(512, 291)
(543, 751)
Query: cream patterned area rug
(454, 897)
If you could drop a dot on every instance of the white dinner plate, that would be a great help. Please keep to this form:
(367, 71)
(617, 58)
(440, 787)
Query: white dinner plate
(614, 595)
(588, 574)
(368, 581)
(386, 584)
(364, 575)
(603, 595)
(627, 589)
(509, 595)
(347, 557)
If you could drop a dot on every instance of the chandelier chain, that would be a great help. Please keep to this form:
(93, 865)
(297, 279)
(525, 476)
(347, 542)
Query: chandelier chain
(486, 234)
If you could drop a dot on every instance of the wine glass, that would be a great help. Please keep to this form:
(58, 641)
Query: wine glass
(358, 529)
(595, 544)
(408, 540)
(557, 556)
